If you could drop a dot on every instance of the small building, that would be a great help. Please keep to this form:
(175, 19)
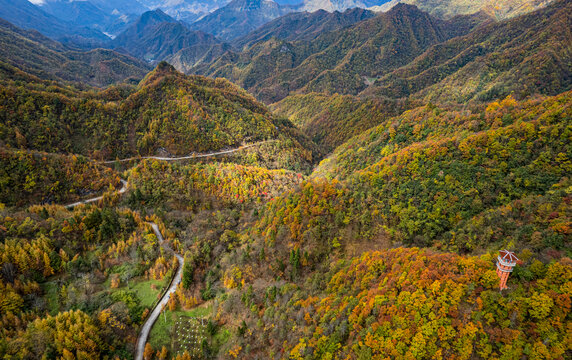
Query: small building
(506, 261)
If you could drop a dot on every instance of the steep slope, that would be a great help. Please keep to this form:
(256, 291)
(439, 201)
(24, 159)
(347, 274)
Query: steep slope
(156, 36)
(187, 58)
(303, 26)
(340, 61)
(239, 17)
(331, 120)
(526, 55)
(26, 15)
(34, 53)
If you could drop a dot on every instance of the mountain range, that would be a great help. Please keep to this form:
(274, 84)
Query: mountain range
(45, 58)
(491, 62)
(342, 60)
(239, 17)
(356, 184)
(156, 36)
(302, 26)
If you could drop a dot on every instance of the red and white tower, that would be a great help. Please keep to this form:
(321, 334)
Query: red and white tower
(505, 264)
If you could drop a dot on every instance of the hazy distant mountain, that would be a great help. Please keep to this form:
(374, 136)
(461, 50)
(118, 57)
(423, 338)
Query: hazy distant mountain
(24, 14)
(120, 7)
(157, 36)
(240, 17)
(185, 10)
(304, 25)
(339, 5)
(110, 17)
(38, 55)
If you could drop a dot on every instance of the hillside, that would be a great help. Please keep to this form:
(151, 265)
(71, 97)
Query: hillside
(239, 17)
(167, 110)
(331, 120)
(338, 61)
(38, 55)
(407, 194)
(303, 26)
(29, 177)
(313, 271)
(502, 9)
(526, 55)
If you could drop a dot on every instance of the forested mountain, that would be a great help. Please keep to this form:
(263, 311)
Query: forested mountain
(331, 120)
(526, 55)
(338, 61)
(24, 14)
(40, 56)
(156, 36)
(239, 17)
(303, 26)
(311, 267)
(359, 216)
(501, 9)
(166, 110)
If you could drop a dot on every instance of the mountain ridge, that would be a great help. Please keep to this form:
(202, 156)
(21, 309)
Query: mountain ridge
(239, 17)
(338, 61)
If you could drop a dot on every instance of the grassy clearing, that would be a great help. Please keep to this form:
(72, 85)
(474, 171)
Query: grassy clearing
(146, 293)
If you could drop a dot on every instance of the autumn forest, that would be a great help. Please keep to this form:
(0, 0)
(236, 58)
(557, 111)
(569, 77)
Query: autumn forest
(383, 180)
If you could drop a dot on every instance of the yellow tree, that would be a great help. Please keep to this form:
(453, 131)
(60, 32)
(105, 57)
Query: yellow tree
(148, 353)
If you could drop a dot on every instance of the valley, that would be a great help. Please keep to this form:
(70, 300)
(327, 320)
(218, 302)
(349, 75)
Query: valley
(285, 180)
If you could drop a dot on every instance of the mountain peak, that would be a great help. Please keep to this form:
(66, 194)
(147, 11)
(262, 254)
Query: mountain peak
(155, 16)
(403, 8)
(165, 68)
(162, 70)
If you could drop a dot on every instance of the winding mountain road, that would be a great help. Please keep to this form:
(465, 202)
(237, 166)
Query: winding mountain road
(148, 325)
(193, 156)
(120, 191)
(146, 329)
